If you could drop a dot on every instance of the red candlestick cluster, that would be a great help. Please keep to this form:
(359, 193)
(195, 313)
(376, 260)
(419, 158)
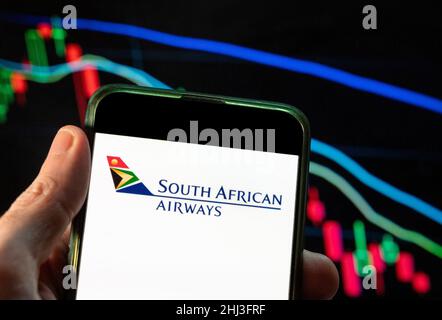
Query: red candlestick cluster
(351, 278)
(86, 82)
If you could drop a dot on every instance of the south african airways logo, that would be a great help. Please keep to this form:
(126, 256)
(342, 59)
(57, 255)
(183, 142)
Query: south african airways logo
(125, 180)
(189, 198)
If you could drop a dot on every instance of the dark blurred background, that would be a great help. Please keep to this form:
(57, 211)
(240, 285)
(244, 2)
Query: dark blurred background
(395, 141)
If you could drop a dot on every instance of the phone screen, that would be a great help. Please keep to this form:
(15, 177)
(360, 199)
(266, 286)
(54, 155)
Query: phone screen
(173, 220)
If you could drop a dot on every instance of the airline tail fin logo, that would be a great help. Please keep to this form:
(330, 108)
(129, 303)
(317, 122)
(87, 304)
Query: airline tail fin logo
(125, 180)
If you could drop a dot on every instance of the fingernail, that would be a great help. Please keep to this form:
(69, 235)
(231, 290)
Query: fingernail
(62, 142)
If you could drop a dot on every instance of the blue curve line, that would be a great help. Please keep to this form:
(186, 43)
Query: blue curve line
(317, 146)
(258, 56)
(374, 182)
(137, 76)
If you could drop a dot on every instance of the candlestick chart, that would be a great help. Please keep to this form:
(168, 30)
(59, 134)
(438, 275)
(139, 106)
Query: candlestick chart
(371, 202)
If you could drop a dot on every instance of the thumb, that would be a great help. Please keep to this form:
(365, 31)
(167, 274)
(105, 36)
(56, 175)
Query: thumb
(37, 219)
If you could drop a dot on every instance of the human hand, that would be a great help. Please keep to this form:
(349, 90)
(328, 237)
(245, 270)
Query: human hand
(34, 231)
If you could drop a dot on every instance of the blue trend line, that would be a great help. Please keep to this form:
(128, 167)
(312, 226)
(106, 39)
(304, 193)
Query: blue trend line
(374, 182)
(317, 146)
(135, 75)
(258, 56)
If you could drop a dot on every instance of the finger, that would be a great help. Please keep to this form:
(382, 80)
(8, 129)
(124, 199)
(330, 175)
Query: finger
(37, 219)
(320, 277)
(51, 271)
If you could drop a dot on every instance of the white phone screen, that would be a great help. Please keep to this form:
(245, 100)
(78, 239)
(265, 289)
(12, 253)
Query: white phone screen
(171, 220)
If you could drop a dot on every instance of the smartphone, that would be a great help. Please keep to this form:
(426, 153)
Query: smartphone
(192, 196)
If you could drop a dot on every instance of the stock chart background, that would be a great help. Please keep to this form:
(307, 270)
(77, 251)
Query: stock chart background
(376, 163)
